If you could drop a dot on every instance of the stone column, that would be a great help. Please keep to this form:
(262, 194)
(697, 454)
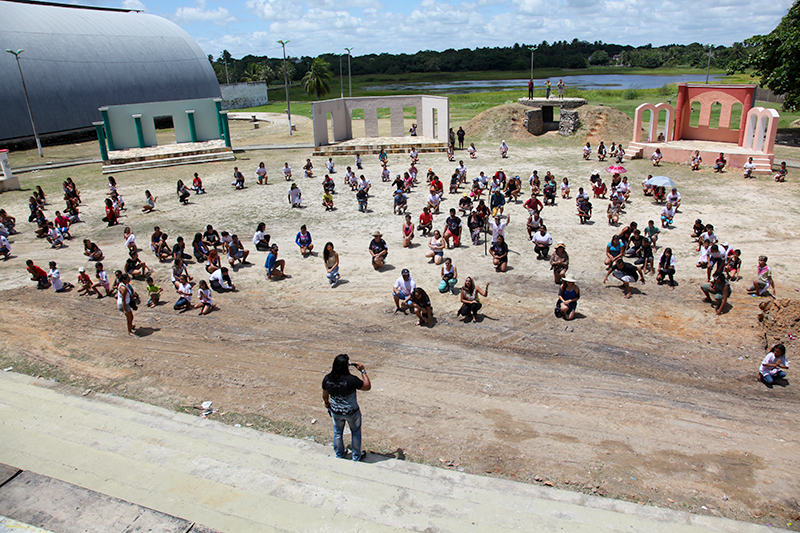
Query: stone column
(218, 103)
(371, 121)
(137, 119)
(101, 139)
(226, 128)
(192, 127)
(396, 121)
(107, 125)
(748, 105)
(679, 112)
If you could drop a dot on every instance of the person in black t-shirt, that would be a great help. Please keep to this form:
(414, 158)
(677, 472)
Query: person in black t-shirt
(422, 307)
(627, 274)
(378, 250)
(452, 229)
(339, 394)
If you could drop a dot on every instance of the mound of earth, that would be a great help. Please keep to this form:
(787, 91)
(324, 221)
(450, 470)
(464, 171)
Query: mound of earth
(603, 123)
(501, 122)
(780, 320)
(598, 123)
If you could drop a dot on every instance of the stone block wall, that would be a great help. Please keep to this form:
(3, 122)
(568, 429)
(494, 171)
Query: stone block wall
(570, 122)
(533, 121)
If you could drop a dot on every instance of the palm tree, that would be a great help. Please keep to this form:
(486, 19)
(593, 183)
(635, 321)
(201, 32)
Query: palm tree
(317, 79)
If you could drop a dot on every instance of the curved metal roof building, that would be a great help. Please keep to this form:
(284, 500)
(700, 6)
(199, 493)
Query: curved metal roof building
(77, 59)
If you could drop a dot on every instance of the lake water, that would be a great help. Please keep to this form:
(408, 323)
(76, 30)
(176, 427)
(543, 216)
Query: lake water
(583, 81)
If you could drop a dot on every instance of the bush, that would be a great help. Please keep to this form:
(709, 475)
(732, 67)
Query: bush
(630, 94)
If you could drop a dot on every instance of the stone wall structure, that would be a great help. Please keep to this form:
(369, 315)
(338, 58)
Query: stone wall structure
(533, 121)
(569, 123)
(432, 112)
(242, 95)
(540, 119)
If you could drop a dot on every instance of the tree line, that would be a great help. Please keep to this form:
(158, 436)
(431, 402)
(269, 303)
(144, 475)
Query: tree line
(558, 55)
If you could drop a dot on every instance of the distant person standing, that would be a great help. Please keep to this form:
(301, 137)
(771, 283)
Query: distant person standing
(339, 394)
(560, 86)
(452, 138)
(530, 88)
(547, 89)
(461, 134)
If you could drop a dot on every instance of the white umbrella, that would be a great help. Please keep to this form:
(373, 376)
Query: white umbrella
(660, 181)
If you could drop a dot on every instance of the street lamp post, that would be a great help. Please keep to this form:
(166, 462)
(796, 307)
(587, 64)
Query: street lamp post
(286, 84)
(341, 80)
(532, 49)
(349, 79)
(27, 100)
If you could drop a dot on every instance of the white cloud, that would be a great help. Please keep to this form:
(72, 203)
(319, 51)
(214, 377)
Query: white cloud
(320, 26)
(133, 4)
(186, 15)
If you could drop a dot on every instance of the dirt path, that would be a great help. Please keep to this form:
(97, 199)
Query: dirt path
(651, 399)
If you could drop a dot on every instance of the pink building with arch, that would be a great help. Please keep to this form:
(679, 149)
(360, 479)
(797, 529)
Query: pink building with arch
(711, 119)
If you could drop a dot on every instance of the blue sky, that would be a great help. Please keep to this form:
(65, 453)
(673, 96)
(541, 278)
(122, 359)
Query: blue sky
(406, 26)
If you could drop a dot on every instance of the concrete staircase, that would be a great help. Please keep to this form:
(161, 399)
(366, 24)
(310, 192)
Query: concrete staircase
(375, 147)
(239, 480)
(634, 151)
(194, 159)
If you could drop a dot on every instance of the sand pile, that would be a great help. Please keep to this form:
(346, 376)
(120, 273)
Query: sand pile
(500, 122)
(780, 320)
(602, 123)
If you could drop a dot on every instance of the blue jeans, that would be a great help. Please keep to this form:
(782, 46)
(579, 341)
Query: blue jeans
(768, 379)
(354, 421)
(333, 275)
(181, 303)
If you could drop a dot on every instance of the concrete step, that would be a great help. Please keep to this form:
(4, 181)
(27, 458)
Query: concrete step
(170, 161)
(236, 479)
(634, 151)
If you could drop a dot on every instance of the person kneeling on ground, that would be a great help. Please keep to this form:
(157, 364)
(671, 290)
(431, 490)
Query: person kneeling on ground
(38, 275)
(568, 296)
(401, 292)
(422, 307)
(449, 277)
(221, 281)
(627, 274)
(273, 265)
(378, 250)
(470, 299)
(717, 292)
(499, 251)
(774, 365)
(542, 241)
(303, 240)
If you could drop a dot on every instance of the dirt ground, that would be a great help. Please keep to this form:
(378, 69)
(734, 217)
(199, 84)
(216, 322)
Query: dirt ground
(652, 399)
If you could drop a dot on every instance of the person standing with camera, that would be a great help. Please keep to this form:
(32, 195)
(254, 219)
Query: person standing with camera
(339, 394)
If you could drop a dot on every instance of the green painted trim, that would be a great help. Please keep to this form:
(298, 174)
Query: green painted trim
(137, 119)
(192, 127)
(107, 126)
(218, 103)
(101, 139)
(224, 119)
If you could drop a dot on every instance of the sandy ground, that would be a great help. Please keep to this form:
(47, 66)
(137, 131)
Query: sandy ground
(652, 399)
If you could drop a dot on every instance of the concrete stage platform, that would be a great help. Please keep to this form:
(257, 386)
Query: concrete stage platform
(167, 155)
(682, 152)
(373, 145)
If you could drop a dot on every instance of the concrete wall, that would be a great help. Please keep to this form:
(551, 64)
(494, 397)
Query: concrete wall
(242, 95)
(341, 110)
(123, 126)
